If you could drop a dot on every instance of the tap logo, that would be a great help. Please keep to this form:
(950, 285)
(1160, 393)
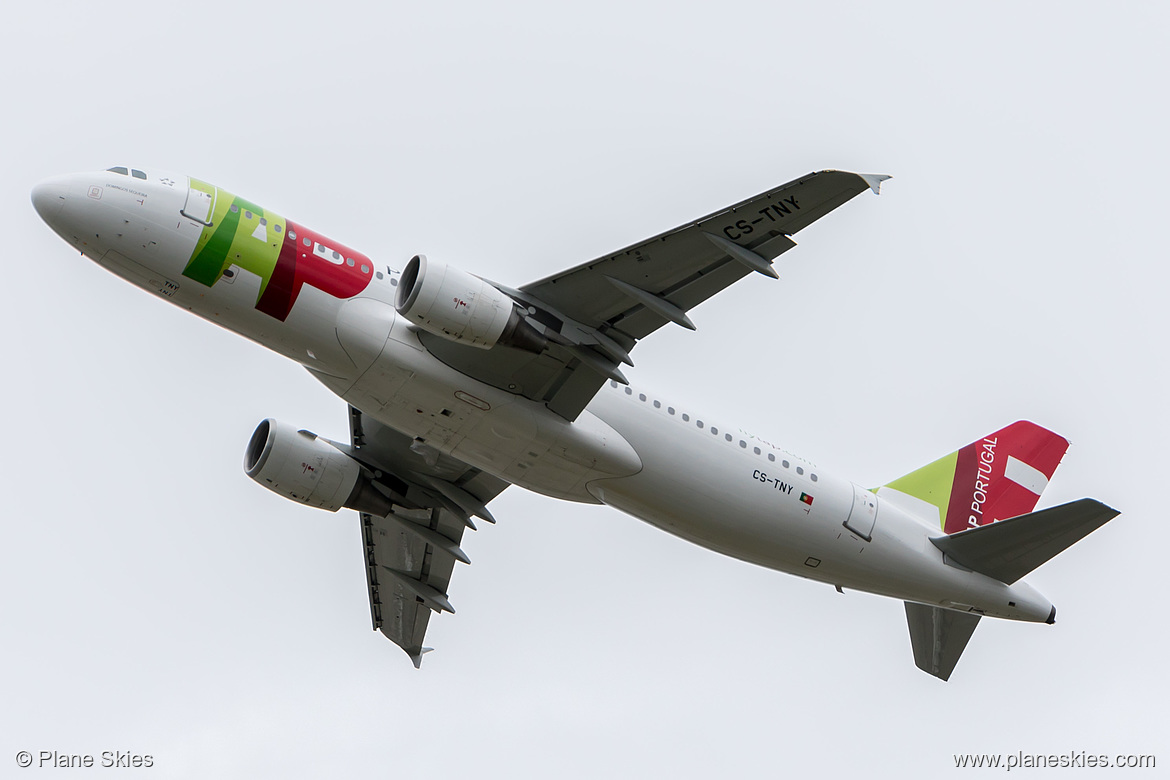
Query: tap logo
(459, 302)
(285, 255)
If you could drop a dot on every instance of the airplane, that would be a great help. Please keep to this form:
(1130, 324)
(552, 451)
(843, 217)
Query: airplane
(459, 386)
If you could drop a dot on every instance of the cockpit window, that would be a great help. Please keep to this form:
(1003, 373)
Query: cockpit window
(122, 171)
(137, 173)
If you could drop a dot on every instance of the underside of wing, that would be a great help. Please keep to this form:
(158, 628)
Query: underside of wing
(407, 577)
(689, 264)
(594, 314)
(410, 553)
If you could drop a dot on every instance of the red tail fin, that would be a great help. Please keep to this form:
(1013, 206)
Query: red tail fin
(999, 476)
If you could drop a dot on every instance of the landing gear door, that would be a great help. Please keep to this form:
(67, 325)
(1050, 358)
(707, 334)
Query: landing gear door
(863, 513)
(200, 202)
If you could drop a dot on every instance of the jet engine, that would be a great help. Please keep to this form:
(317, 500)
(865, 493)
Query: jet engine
(310, 470)
(461, 307)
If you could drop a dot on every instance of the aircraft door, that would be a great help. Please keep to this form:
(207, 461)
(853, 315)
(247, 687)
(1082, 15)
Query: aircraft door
(863, 513)
(200, 202)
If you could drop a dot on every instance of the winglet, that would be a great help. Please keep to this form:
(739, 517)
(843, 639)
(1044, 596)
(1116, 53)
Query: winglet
(416, 658)
(874, 180)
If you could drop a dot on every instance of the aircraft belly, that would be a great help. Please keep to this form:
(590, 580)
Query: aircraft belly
(710, 492)
(495, 431)
(722, 496)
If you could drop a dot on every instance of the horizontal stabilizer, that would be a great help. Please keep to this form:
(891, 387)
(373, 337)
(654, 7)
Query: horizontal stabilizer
(1011, 548)
(938, 637)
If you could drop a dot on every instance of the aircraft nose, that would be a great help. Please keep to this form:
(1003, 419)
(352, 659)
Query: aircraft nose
(48, 197)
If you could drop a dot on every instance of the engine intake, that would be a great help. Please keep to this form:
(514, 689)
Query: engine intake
(461, 307)
(301, 466)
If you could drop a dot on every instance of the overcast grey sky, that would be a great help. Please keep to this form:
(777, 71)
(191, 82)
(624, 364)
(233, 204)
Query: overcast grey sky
(157, 601)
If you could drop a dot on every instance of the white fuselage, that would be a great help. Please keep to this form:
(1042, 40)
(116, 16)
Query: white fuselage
(671, 467)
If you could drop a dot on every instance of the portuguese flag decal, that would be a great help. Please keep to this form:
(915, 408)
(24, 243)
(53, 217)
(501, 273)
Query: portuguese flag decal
(805, 498)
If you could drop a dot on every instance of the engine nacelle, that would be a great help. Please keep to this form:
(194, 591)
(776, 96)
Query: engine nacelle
(462, 308)
(309, 470)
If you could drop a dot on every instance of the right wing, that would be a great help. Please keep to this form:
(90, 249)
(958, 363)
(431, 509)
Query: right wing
(594, 313)
(410, 553)
(687, 265)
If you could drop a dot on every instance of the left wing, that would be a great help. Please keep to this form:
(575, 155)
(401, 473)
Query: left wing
(410, 553)
(593, 314)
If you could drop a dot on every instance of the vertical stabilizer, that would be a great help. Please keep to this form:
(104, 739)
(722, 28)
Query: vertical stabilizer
(999, 476)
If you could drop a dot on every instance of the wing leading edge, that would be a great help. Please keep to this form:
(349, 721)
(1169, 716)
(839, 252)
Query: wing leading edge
(595, 313)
